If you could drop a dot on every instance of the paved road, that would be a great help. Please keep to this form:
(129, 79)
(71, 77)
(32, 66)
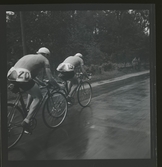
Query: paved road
(115, 126)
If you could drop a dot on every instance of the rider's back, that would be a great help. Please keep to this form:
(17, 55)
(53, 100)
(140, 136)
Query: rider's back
(32, 62)
(75, 61)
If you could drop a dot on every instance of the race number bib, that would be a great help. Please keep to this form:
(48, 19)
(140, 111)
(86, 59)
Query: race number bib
(65, 67)
(70, 67)
(19, 74)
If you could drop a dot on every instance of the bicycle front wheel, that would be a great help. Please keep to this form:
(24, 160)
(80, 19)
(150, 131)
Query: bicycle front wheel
(84, 94)
(14, 118)
(55, 110)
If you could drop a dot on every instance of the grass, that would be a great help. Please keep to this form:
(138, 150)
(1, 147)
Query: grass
(112, 74)
(106, 75)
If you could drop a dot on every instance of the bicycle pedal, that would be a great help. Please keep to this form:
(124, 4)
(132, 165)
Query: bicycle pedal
(69, 103)
(28, 133)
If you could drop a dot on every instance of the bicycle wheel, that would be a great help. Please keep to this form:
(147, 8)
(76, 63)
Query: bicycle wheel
(84, 94)
(14, 118)
(55, 110)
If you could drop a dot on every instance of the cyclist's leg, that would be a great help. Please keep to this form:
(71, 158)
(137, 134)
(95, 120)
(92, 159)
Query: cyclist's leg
(33, 90)
(74, 83)
(29, 101)
(69, 85)
(36, 95)
(67, 76)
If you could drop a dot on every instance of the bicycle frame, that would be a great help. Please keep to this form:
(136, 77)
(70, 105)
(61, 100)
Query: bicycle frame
(17, 112)
(21, 100)
(80, 77)
(67, 89)
(41, 102)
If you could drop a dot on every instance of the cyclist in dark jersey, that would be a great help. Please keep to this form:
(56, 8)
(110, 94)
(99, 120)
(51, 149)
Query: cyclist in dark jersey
(23, 72)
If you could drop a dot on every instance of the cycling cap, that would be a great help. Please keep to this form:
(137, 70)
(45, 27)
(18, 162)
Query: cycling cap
(43, 50)
(79, 55)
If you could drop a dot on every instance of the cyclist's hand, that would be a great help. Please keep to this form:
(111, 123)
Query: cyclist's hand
(42, 84)
(45, 80)
(41, 87)
(62, 86)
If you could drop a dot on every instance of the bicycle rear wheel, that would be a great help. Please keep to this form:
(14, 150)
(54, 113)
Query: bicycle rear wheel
(84, 94)
(14, 118)
(55, 110)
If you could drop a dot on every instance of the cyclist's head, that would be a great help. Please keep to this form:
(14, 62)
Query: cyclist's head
(79, 55)
(44, 51)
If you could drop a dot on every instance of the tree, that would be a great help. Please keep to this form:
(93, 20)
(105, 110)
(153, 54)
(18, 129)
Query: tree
(100, 35)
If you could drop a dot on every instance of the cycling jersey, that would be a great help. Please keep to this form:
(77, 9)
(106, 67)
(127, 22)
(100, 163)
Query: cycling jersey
(26, 69)
(33, 62)
(75, 61)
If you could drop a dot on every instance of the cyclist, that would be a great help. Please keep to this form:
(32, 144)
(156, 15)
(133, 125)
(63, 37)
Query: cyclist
(68, 68)
(135, 63)
(24, 74)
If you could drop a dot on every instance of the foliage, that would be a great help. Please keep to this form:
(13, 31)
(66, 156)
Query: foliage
(102, 36)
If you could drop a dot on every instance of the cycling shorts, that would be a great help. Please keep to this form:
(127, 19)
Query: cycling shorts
(25, 86)
(66, 75)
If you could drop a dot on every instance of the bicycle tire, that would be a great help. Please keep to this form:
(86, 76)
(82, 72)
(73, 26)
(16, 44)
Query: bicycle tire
(55, 110)
(15, 131)
(84, 93)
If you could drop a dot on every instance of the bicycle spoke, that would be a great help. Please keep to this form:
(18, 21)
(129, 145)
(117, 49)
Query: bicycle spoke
(15, 134)
(15, 125)
(84, 94)
(56, 109)
(15, 131)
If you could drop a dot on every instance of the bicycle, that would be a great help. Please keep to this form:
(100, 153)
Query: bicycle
(83, 89)
(54, 112)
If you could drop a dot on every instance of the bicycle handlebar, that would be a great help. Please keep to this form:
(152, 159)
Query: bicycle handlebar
(81, 75)
(47, 84)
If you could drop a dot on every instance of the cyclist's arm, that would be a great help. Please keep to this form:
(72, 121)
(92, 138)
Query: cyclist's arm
(49, 74)
(84, 71)
(39, 81)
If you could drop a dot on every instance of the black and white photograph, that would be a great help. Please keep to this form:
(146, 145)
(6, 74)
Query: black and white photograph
(81, 84)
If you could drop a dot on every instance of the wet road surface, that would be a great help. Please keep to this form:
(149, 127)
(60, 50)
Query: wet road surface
(116, 125)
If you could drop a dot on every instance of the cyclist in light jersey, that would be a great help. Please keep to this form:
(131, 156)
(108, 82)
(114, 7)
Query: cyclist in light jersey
(68, 69)
(22, 74)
